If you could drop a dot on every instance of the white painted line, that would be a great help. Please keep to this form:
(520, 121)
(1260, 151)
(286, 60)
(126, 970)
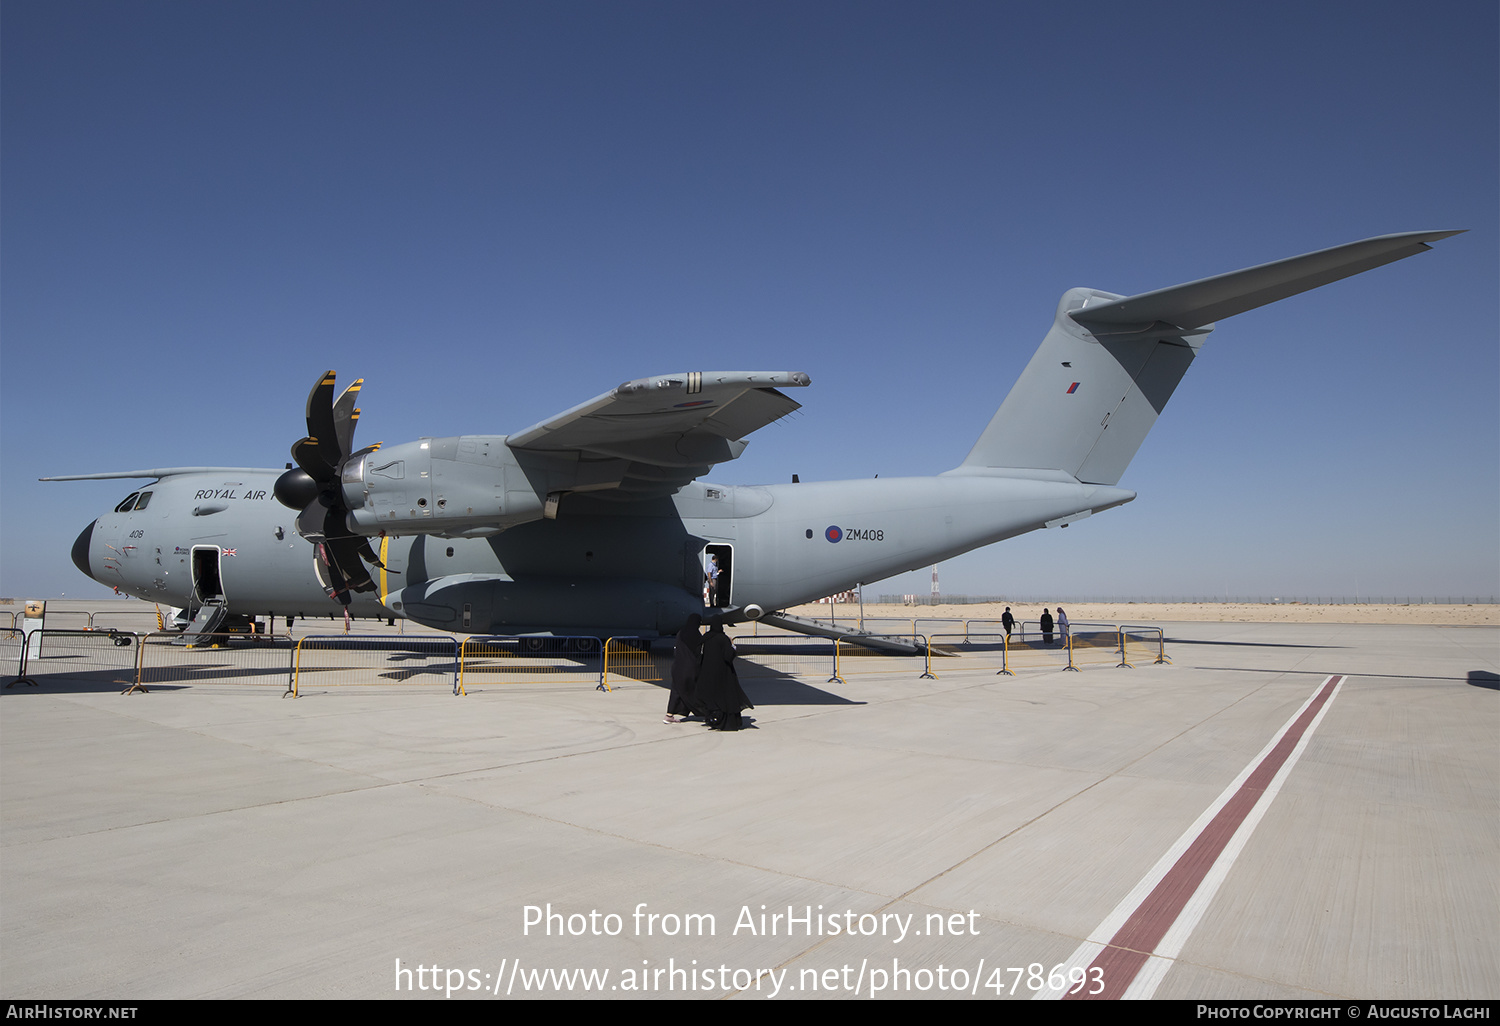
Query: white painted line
(1115, 947)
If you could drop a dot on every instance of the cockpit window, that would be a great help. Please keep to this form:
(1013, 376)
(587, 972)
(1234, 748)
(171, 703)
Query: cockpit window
(128, 504)
(145, 498)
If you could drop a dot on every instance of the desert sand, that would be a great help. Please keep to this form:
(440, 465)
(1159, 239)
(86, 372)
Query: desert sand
(1153, 612)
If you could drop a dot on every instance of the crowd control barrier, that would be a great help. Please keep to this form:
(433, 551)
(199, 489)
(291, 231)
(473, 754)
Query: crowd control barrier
(851, 657)
(1091, 644)
(13, 657)
(81, 656)
(69, 620)
(139, 660)
(504, 659)
(632, 659)
(1151, 638)
(165, 657)
(1087, 644)
(344, 660)
(986, 647)
(786, 655)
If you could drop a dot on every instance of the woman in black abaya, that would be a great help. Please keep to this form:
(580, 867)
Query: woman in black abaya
(719, 691)
(687, 654)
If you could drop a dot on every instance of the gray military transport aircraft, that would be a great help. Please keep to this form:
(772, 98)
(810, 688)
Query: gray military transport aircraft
(594, 522)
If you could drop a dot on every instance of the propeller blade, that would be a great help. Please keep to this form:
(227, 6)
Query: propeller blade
(309, 456)
(329, 576)
(340, 554)
(367, 554)
(345, 417)
(344, 553)
(311, 520)
(320, 421)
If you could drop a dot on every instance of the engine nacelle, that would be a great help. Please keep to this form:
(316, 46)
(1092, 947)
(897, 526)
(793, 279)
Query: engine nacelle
(455, 487)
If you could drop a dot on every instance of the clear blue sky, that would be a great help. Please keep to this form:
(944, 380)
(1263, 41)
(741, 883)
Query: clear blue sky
(493, 211)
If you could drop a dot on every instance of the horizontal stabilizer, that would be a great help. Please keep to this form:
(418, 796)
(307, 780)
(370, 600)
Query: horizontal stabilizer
(1212, 299)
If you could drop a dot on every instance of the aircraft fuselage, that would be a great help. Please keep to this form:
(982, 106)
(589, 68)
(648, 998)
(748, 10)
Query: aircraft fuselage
(599, 566)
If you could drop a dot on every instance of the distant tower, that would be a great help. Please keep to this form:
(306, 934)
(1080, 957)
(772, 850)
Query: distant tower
(936, 595)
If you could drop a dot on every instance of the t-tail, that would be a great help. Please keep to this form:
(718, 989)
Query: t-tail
(1084, 403)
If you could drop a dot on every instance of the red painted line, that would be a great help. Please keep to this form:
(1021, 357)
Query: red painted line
(1133, 944)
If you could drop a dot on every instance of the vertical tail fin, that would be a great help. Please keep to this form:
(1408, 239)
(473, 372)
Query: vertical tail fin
(1085, 402)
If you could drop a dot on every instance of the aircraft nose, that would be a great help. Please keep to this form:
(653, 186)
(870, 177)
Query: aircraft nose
(81, 550)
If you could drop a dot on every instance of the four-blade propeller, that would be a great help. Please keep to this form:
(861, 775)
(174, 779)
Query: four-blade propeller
(315, 486)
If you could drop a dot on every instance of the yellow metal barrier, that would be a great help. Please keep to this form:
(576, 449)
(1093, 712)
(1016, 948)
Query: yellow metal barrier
(1095, 646)
(1151, 637)
(787, 655)
(215, 659)
(121, 657)
(1107, 645)
(1026, 650)
(983, 648)
(338, 660)
(632, 659)
(530, 659)
(851, 657)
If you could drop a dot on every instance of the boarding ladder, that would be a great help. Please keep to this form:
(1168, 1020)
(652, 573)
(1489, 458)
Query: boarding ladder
(207, 621)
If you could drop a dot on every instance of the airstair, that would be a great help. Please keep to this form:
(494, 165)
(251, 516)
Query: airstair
(207, 621)
(854, 636)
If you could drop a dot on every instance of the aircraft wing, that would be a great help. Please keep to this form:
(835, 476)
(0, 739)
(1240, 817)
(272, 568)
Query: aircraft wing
(670, 428)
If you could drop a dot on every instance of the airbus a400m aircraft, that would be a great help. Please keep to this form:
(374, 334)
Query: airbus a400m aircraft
(594, 522)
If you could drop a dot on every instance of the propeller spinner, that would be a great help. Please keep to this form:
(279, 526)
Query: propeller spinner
(315, 487)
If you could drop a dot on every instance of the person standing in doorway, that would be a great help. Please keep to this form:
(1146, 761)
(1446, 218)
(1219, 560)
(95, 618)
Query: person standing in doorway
(713, 580)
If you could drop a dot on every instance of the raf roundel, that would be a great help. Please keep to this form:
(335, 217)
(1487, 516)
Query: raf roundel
(833, 534)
